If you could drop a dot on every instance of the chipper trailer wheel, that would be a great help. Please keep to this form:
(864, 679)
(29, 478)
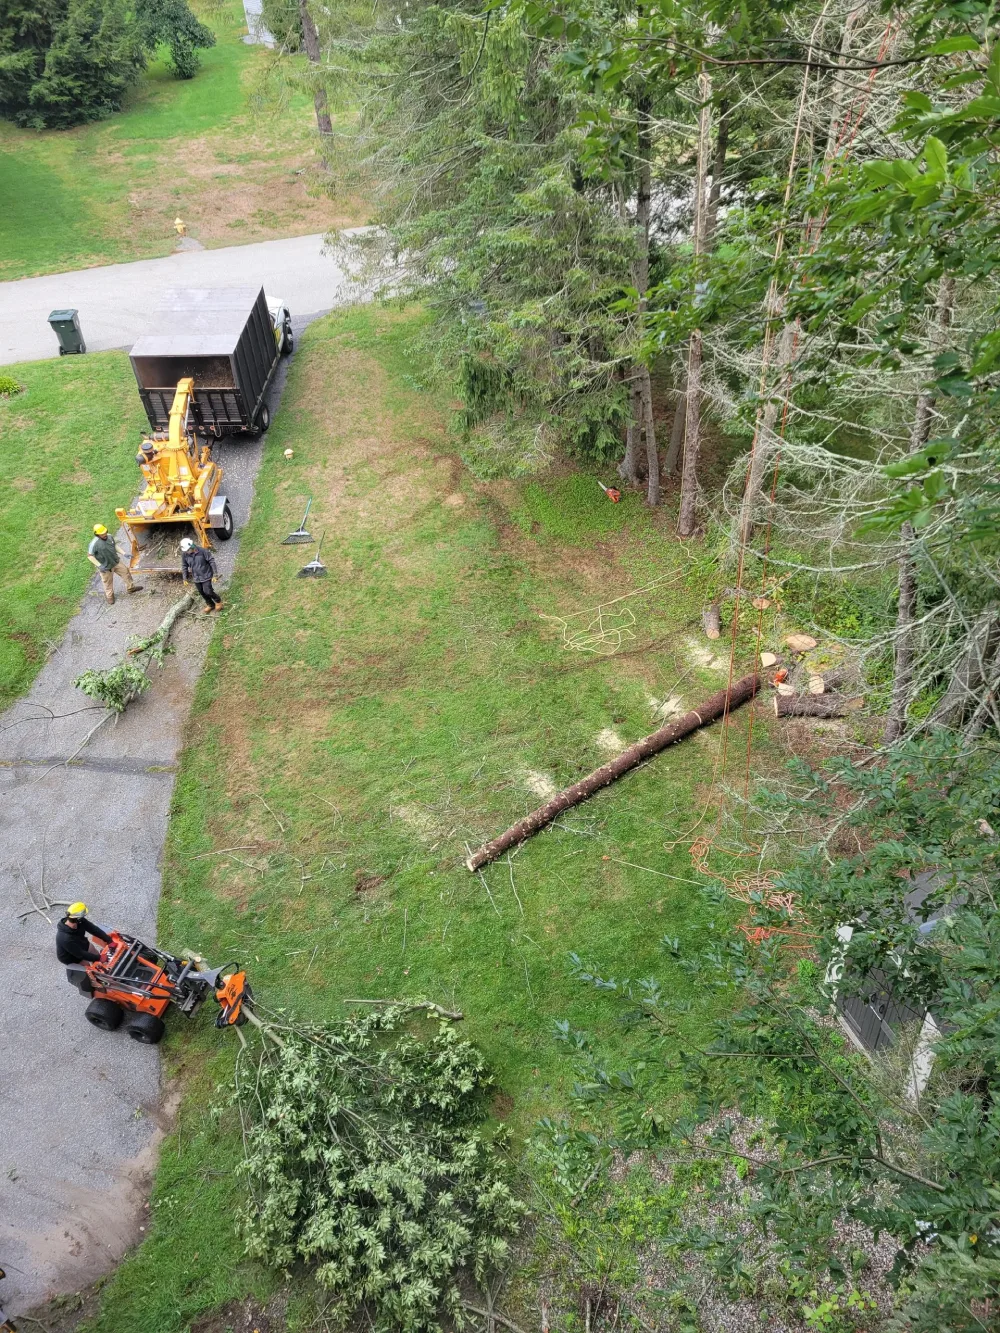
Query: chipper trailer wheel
(263, 420)
(105, 1014)
(228, 526)
(145, 1028)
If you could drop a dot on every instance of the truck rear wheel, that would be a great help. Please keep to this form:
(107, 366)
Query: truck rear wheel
(104, 1014)
(145, 1028)
(263, 420)
(228, 526)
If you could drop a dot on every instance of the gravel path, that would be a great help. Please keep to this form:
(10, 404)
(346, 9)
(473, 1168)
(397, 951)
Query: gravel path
(81, 1109)
(114, 301)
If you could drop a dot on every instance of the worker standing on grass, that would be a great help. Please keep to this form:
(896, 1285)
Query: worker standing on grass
(104, 555)
(199, 567)
(72, 945)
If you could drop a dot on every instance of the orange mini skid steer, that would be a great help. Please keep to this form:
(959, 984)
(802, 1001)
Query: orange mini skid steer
(137, 983)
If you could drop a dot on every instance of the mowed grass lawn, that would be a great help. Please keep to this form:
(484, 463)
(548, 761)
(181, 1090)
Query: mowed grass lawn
(67, 458)
(352, 734)
(108, 192)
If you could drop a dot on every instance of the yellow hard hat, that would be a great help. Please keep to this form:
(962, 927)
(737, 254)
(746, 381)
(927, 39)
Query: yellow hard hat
(100, 529)
(76, 909)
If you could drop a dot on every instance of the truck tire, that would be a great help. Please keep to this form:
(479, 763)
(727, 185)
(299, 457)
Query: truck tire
(145, 1028)
(288, 341)
(104, 1014)
(263, 420)
(228, 526)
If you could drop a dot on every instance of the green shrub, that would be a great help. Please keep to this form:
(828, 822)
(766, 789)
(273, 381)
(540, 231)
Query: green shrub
(9, 386)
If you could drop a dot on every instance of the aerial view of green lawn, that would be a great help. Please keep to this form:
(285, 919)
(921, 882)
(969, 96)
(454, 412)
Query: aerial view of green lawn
(570, 826)
(234, 167)
(353, 734)
(66, 450)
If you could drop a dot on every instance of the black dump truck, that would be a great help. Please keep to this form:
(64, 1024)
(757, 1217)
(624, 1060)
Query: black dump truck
(229, 340)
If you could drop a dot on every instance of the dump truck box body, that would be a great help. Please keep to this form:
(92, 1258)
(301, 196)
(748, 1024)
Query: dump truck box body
(224, 339)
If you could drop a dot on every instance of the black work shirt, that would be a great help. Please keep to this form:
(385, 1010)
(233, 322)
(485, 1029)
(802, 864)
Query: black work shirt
(72, 945)
(198, 565)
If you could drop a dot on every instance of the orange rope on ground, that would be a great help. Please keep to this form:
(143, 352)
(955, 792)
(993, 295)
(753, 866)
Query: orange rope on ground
(757, 891)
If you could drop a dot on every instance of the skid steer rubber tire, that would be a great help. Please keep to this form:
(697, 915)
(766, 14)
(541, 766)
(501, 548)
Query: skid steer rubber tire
(145, 1028)
(104, 1014)
(228, 526)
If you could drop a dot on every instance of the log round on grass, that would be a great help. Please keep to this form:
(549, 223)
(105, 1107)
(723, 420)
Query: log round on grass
(719, 704)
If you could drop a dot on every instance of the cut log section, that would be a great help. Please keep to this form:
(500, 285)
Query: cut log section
(717, 706)
(811, 705)
(712, 621)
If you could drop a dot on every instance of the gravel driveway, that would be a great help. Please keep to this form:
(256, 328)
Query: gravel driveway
(81, 1108)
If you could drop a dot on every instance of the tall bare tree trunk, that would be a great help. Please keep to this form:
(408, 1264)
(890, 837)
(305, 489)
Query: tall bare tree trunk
(767, 440)
(310, 38)
(628, 469)
(673, 454)
(974, 669)
(642, 410)
(905, 646)
(902, 679)
(687, 521)
(774, 304)
(676, 434)
(718, 169)
(652, 453)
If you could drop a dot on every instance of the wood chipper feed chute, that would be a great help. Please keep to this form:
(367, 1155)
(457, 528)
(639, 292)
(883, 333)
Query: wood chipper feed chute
(182, 483)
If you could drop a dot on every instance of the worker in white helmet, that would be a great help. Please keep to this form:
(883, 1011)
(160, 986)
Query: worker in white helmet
(198, 567)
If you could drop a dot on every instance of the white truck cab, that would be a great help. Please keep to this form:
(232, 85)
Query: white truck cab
(282, 321)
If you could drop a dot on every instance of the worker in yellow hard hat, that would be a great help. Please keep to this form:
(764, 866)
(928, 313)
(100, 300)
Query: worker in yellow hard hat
(104, 555)
(72, 945)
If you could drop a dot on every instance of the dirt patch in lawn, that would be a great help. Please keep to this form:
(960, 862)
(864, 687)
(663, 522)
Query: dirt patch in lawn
(272, 194)
(244, 1317)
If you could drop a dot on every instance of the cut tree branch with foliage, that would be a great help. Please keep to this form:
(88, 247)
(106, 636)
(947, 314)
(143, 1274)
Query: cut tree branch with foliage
(117, 686)
(368, 1158)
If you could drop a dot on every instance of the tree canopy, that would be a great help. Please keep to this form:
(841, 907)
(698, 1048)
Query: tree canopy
(63, 62)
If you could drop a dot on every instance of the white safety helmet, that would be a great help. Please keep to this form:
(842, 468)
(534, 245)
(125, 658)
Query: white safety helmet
(187, 544)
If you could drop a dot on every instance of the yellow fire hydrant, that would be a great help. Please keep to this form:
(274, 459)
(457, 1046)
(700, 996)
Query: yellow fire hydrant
(180, 226)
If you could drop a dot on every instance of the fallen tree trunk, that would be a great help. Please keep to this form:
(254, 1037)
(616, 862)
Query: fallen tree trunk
(715, 707)
(810, 705)
(157, 640)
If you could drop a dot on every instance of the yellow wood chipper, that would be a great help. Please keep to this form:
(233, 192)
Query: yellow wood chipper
(182, 482)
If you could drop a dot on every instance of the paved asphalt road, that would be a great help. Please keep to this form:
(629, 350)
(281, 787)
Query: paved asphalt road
(81, 1109)
(114, 302)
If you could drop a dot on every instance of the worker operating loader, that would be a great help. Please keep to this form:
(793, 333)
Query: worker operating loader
(72, 944)
(132, 983)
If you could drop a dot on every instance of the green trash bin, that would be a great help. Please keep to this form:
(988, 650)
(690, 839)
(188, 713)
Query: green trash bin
(66, 326)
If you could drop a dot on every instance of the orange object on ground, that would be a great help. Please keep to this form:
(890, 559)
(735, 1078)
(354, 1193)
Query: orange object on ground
(612, 492)
(780, 676)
